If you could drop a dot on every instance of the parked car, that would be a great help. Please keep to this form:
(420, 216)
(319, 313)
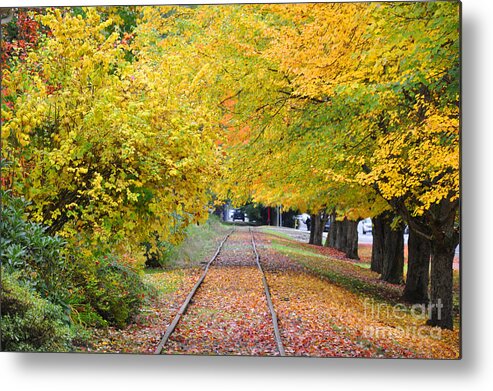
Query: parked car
(366, 226)
(238, 215)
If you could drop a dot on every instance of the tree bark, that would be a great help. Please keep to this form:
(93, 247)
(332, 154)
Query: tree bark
(332, 234)
(418, 269)
(393, 251)
(341, 238)
(352, 239)
(335, 234)
(377, 246)
(312, 231)
(437, 224)
(318, 223)
(442, 258)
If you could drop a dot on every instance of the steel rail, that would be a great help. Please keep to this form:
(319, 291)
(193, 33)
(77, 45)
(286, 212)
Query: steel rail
(171, 328)
(275, 322)
(185, 304)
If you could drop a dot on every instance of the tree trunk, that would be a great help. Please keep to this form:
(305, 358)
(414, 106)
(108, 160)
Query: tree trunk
(310, 228)
(335, 234)
(418, 269)
(377, 246)
(442, 258)
(439, 225)
(393, 252)
(332, 234)
(352, 239)
(341, 239)
(318, 223)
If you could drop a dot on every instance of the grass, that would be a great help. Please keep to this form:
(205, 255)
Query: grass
(200, 243)
(351, 276)
(294, 250)
(164, 281)
(271, 231)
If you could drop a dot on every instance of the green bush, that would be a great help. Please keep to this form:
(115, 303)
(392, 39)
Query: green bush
(35, 315)
(92, 290)
(27, 249)
(82, 314)
(106, 292)
(29, 322)
(121, 295)
(160, 256)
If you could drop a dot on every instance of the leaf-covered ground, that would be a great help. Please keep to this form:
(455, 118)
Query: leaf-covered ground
(336, 308)
(327, 306)
(229, 314)
(144, 334)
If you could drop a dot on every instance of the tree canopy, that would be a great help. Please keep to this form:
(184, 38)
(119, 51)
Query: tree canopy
(124, 124)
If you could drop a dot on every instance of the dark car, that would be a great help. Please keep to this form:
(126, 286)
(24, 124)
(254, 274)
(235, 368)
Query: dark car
(327, 226)
(238, 215)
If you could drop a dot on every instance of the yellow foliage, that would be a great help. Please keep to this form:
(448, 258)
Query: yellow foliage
(117, 144)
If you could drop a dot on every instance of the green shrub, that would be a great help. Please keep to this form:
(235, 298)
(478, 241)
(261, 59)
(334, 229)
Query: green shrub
(35, 316)
(92, 290)
(82, 314)
(161, 255)
(106, 292)
(27, 249)
(121, 295)
(80, 335)
(29, 322)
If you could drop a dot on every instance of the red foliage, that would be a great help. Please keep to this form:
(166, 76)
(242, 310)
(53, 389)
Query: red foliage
(16, 42)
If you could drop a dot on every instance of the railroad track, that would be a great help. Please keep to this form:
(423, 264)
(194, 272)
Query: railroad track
(171, 328)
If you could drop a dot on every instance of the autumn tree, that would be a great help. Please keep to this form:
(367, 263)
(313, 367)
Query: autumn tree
(114, 147)
(278, 150)
(341, 110)
(402, 141)
(416, 165)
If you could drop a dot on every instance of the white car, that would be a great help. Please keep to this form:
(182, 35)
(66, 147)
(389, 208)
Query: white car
(365, 225)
